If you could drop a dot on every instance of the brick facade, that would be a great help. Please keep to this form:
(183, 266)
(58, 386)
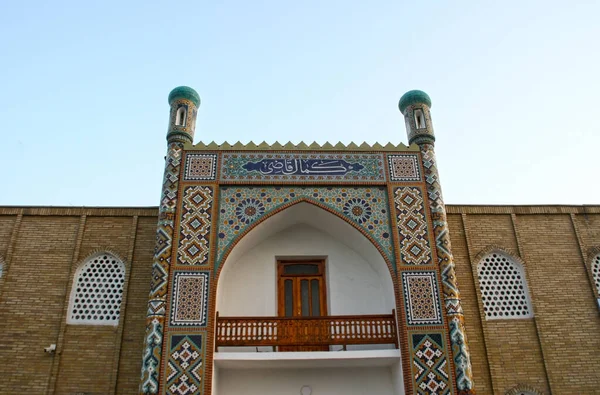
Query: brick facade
(554, 352)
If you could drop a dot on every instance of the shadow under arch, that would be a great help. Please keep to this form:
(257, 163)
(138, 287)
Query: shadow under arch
(221, 263)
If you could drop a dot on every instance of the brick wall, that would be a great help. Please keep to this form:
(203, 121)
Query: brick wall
(42, 248)
(555, 352)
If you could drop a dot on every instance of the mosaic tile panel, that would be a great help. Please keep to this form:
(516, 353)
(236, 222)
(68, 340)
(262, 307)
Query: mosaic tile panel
(194, 238)
(421, 297)
(189, 300)
(462, 358)
(160, 271)
(314, 168)
(446, 262)
(151, 357)
(429, 365)
(367, 207)
(199, 167)
(404, 167)
(412, 226)
(185, 367)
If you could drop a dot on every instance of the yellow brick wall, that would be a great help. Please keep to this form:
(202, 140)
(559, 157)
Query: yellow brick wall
(50, 244)
(557, 351)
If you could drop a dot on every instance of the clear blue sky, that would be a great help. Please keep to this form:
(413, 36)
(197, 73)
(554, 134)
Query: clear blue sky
(84, 85)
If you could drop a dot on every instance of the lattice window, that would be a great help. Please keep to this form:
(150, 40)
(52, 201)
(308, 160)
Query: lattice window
(596, 271)
(503, 287)
(97, 291)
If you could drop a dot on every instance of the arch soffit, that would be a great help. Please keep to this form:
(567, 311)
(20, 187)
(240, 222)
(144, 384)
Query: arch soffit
(287, 205)
(501, 250)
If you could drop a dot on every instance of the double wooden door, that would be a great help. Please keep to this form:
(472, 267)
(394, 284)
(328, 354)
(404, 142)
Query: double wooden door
(302, 293)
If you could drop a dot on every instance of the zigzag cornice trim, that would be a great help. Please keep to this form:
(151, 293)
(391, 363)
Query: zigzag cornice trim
(302, 146)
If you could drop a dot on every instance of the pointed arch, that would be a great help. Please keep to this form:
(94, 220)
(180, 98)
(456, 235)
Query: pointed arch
(97, 289)
(1, 266)
(503, 284)
(266, 216)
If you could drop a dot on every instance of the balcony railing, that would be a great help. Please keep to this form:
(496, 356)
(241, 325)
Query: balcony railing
(306, 331)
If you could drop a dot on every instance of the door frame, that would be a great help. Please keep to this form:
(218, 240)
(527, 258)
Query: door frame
(281, 263)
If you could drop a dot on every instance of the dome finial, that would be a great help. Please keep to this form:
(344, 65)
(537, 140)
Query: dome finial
(185, 92)
(413, 97)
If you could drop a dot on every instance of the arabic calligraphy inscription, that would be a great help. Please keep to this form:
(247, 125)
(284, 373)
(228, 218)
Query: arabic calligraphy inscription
(308, 167)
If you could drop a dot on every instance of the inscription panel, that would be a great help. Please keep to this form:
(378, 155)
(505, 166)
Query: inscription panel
(303, 167)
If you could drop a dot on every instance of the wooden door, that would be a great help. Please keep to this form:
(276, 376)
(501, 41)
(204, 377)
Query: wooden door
(301, 293)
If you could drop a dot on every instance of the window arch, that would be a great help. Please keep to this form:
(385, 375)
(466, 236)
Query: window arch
(97, 291)
(596, 271)
(504, 291)
(1, 267)
(181, 116)
(524, 389)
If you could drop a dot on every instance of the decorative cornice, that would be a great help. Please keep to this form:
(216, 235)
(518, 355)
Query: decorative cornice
(302, 146)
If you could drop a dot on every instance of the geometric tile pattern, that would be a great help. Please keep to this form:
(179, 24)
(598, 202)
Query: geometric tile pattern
(314, 168)
(430, 366)
(160, 270)
(366, 207)
(189, 300)
(412, 226)
(185, 367)
(404, 168)
(194, 238)
(200, 167)
(151, 357)
(460, 351)
(446, 262)
(421, 298)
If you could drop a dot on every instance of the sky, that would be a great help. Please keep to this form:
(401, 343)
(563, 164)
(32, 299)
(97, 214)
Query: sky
(84, 86)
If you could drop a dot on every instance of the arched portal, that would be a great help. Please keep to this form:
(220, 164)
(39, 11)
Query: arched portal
(358, 278)
(358, 283)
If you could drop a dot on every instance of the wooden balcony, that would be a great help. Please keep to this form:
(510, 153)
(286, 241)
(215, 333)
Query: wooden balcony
(306, 333)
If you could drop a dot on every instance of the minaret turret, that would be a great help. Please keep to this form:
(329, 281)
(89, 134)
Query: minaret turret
(415, 106)
(184, 102)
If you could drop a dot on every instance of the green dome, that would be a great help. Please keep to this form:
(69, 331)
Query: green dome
(413, 97)
(184, 92)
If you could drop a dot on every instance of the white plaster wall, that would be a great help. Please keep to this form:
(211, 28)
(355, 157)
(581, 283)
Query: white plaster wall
(397, 377)
(354, 285)
(348, 381)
